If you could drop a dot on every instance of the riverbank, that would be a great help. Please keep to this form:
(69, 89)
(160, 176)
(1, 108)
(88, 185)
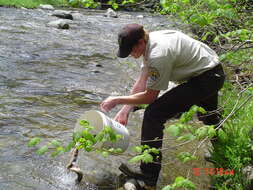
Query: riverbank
(32, 3)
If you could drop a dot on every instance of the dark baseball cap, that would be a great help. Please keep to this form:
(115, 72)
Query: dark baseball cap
(128, 37)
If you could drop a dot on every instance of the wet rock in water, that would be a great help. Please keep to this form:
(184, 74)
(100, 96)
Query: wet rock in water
(63, 14)
(60, 24)
(111, 13)
(99, 65)
(76, 15)
(105, 179)
(140, 16)
(47, 7)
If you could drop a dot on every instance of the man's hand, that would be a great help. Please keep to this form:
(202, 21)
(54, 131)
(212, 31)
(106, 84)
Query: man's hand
(122, 117)
(109, 103)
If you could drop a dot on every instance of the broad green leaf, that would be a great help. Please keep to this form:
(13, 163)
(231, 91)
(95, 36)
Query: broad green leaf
(137, 149)
(202, 132)
(185, 183)
(88, 148)
(154, 150)
(84, 123)
(147, 158)
(136, 159)
(117, 150)
(187, 137)
(211, 132)
(185, 157)
(187, 116)
(34, 141)
(145, 147)
(179, 179)
(201, 110)
(115, 5)
(173, 130)
(124, 2)
(88, 136)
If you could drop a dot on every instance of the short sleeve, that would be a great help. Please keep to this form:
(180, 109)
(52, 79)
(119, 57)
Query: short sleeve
(159, 71)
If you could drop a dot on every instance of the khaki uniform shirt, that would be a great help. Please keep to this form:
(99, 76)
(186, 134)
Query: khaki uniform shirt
(173, 56)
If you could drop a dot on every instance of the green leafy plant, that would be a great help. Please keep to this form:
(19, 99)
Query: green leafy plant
(84, 3)
(180, 182)
(83, 140)
(186, 156)
(233, 149)
(144, 154)
(212, 20)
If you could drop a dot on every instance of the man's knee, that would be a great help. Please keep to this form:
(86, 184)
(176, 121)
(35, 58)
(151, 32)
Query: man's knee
(149, 112)
(154, 115)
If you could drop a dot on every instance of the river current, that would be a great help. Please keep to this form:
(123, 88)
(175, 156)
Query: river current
(48, 78)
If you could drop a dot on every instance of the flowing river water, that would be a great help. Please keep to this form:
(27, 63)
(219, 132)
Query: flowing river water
(49, 77)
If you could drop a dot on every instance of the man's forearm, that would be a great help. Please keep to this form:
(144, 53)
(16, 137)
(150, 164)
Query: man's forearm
(138, 98)
(139, 86)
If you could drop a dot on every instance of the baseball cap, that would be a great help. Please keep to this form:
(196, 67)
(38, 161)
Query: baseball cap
(128, 37)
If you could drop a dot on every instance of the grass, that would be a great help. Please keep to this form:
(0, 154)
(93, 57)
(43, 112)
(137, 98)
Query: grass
(234, 149)
(32, 3)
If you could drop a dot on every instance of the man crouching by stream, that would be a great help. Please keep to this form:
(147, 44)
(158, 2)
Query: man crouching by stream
(168, 55)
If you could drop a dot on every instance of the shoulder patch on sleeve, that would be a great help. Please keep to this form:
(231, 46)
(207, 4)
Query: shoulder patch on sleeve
(153, 74)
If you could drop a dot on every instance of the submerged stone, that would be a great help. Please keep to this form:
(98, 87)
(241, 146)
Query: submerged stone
(60, 24)
(77, 16)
